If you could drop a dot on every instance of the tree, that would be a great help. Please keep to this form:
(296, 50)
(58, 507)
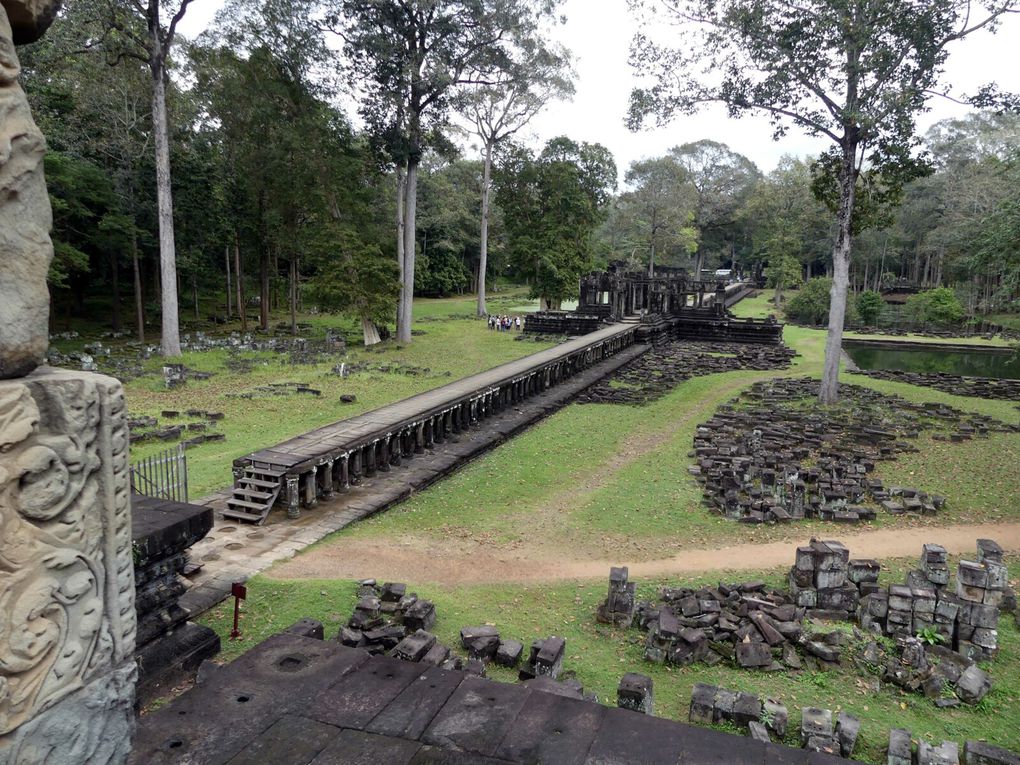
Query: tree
(134, 30)
(869, 306)
(782, 273)
(721, 180)
(412, 59)
(857, 72)
(811, 304)
(552, 205)
(537, 75)
(938, 306)
(659, 208)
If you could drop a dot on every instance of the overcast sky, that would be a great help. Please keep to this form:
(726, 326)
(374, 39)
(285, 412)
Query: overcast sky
(599, 33)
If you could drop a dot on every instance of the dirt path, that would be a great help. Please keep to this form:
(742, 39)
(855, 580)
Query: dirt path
(455, 562)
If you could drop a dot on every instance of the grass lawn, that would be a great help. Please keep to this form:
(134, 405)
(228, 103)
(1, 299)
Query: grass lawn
(599, 655)
(249, 424)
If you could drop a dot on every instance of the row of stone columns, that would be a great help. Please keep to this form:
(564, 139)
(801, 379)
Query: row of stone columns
(338, 472)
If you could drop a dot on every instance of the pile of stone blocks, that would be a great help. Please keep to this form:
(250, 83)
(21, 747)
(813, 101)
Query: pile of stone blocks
(966, 618)
(901, 752)
(711, 705)
(981, 587)
(749, 624)
(820, 731)
(943, 675)
(618, 607)
(826, 582)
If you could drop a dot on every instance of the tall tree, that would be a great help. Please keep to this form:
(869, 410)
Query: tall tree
(552, 205)
(137, 30)
(721, 180)
(857, 72)
(660, 206)
(413, 59)
(539, 74)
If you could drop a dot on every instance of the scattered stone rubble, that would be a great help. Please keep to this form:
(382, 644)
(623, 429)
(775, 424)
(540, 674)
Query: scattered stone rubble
(959, 385)
(618, 607)
(763, 718)
(771, 455)
(389, 620)
(635, 693)
(657, 372)
(147, 428)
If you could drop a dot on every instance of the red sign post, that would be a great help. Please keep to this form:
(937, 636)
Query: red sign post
(240, 592)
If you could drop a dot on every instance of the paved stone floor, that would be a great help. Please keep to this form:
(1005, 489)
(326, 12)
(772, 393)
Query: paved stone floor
(295, 700)
(234, 551)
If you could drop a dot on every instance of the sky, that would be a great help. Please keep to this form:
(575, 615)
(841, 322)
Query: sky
(598, 32)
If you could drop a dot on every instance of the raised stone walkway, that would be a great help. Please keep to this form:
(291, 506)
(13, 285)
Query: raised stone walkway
(295, 700)
(236, 551)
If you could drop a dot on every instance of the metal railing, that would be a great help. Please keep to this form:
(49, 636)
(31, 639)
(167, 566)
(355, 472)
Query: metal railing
(162, 475)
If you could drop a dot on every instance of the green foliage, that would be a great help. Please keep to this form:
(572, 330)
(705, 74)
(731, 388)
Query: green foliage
(869, 306)
(783, 272)
(552, 205)
(811, 303)
(931, 636)
(938, 306)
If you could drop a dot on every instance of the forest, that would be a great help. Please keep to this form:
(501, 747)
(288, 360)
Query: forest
(298, 169)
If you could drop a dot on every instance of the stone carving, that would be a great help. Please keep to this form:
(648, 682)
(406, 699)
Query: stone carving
(25, 215)
(30, 18)
(66, 574)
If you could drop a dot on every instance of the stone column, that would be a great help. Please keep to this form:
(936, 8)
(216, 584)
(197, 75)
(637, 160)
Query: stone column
(25, 216)
(67, 616)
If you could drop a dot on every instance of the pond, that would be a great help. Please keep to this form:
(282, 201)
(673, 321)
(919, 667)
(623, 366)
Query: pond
(1001, 365)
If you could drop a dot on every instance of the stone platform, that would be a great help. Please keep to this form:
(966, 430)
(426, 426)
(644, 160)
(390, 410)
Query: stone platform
(235, 551)
(294, 700)
(334, 457)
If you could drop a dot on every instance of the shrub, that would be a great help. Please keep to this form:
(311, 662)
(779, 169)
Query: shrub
(938, 306)
(869, 306)
(811, 304)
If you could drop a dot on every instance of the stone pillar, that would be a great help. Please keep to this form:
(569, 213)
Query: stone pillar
(25, 216)
(328, 489)
(67, 616)
(345, 472)
(293, 496)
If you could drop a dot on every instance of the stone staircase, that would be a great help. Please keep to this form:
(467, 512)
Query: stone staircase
(254, 494)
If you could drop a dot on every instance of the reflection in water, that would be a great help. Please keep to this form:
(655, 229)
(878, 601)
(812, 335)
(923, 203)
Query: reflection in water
(1002, 366)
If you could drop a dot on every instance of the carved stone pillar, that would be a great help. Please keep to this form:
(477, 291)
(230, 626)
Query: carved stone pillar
(67, 615)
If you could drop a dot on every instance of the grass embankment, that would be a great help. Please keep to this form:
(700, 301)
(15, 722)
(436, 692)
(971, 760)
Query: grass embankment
(599, 655)
(448, 343)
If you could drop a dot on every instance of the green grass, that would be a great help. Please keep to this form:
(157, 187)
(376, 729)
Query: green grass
(1009, 320)
(599, 655)
(252, 424)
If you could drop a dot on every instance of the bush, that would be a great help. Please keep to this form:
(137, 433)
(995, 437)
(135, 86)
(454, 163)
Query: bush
(811, 304)
(938, 306)
(869, 306)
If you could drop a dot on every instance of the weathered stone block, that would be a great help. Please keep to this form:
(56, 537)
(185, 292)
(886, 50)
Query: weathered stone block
(973, 685)
(980, 753)
(901, 750)
(68, 585)
(702, 704)
(749, 655)
(635, 692)
(508, 654)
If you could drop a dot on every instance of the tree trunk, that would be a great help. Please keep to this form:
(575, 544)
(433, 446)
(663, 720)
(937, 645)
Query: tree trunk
(226, 259)
(401, 190)
(293, 295)
(194, 294)
(171, 334)
(239, 280)
(410, 214)
(483, 245)
(136, 267)
(829, 390)
(369, 332)
(115, 288)
(651, 258)
(264, 287)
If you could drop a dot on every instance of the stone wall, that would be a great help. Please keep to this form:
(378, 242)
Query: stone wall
(66, 575)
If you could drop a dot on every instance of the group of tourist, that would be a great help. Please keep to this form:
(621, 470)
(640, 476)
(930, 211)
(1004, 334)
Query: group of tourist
(505, 323)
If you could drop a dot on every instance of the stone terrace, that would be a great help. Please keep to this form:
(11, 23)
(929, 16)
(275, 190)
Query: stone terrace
(296, 700)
